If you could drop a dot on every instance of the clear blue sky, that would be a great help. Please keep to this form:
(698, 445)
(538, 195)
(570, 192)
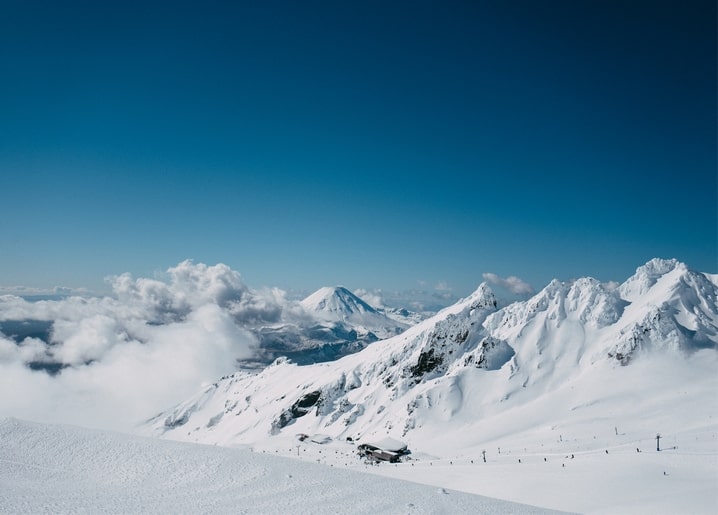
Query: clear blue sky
(370, 144)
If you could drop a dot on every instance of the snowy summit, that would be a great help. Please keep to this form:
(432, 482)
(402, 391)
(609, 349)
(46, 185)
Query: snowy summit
(339, 305)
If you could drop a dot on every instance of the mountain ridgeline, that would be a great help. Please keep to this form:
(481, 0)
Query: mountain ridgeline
(472, 367)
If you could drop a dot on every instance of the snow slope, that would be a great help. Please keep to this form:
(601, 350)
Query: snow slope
(579, 369)
(60, 469)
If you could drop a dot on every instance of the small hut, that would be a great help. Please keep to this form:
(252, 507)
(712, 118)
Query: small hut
(387, 449)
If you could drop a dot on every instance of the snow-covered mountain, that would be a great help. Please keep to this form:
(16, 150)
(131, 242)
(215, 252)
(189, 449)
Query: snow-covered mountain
(470, 361)
(580, 368)
(340, 306)
(330, 323)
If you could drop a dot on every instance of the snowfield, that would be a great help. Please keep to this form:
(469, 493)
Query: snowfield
(576, 450)
(557, 402)
(64, 469)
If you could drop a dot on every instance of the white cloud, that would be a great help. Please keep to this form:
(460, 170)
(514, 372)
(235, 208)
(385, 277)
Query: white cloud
(442, 286)
(512, 283)
(87, 339)
(57, 291)
(374, 298)
(611, 285)
(188, 286)
(128, 356)
(191, 285)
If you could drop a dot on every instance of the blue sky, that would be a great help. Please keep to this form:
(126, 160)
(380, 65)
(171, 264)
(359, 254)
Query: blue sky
(356, 143)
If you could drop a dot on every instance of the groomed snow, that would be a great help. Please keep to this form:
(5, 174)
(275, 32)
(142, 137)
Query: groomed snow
(61, 469)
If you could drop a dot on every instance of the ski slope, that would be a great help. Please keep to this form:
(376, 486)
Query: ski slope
(61, 469)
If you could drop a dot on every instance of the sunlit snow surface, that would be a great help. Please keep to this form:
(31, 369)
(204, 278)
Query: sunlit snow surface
(61, 469)
(575, 450)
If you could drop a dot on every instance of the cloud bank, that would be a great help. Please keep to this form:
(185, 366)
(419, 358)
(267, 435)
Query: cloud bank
(512, 283)
(113, 361)
(372, 297)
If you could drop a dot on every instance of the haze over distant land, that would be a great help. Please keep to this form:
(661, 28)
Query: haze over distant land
(399, 145)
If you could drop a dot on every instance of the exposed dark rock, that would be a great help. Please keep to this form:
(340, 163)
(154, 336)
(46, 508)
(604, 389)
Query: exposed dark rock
(427, 363)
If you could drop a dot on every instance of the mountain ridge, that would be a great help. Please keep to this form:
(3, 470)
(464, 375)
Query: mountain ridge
(470, 362)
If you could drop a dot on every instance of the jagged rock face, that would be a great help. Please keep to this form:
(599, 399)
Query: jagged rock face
(432, 353)
(654, 330)
(679, 311)
(470, 358)
(490, 354)
(441, 343)
(301, 407)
